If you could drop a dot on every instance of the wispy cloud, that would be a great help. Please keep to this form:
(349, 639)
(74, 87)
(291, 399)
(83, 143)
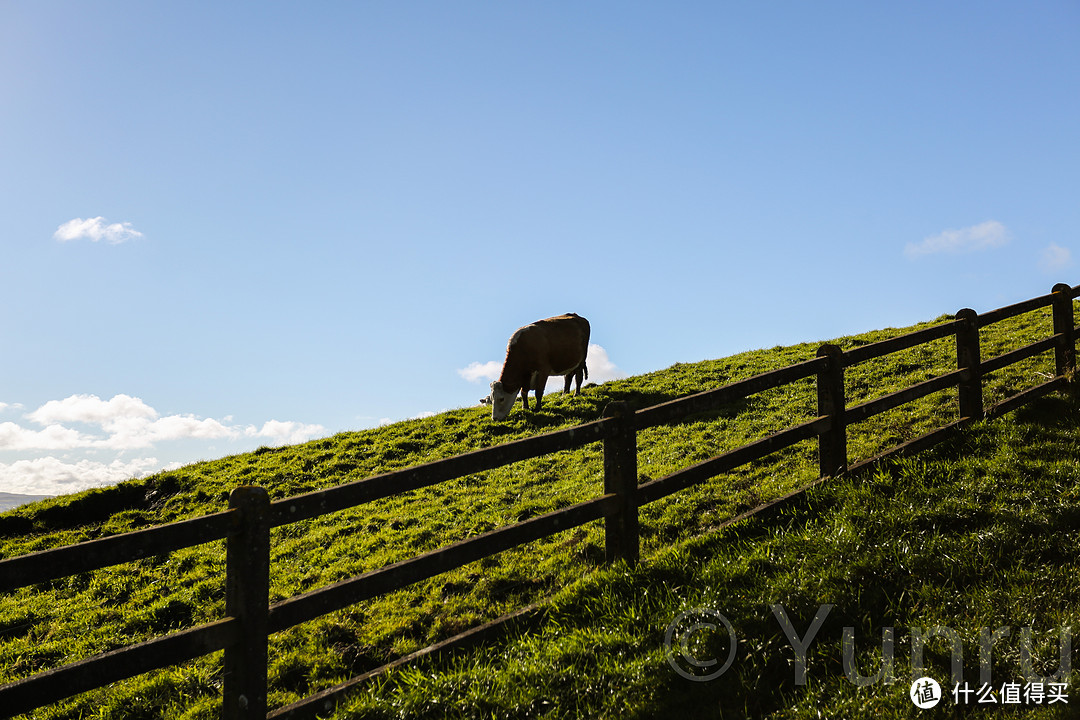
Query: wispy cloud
(96, 229)
(983, 236)
(1054, 258)
(601, 368)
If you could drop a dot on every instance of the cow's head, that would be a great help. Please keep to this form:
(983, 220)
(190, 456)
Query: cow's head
(501, 401)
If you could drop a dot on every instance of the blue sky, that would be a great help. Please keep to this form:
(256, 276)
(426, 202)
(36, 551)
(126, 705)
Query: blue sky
(228, 225)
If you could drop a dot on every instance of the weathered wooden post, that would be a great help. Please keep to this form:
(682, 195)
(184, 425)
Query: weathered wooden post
(620, 478)
(968, 359)
(1065, 351)
(832, 444)
(247, 591)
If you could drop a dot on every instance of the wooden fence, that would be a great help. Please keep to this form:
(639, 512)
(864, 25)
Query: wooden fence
(250, 619)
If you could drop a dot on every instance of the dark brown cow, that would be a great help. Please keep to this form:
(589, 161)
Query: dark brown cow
(555, 346)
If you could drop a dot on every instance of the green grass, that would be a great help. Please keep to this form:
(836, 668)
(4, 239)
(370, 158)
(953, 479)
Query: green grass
(979, 532)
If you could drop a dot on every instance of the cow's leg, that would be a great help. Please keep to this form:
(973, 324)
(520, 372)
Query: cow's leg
(566, 387)
(539, 382)
(524, 397)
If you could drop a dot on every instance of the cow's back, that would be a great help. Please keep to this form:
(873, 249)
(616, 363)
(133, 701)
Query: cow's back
(558, 344)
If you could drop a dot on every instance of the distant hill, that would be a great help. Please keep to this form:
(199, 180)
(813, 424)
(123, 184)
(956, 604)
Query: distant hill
(14, 500)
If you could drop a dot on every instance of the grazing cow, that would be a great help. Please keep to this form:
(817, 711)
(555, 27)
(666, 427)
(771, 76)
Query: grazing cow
(556, 346)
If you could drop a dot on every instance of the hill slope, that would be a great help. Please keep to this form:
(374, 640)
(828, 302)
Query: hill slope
(912, 546)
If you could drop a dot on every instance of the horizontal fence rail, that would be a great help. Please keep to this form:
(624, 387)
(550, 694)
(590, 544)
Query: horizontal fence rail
(707, 469)
(716, 399)
(315, 603)
(342, 497)
(1022, 398)
(27, 694)
(1009, 311)
(870, 408)
(1015, 356)
(250, 619)
(60, 562)
(882, 348)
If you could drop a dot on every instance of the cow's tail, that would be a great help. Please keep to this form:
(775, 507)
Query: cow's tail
(585, 369)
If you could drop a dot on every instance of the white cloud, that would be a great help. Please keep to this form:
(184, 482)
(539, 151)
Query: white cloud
(52, 476)
(128, 433)
(1054, 258)
(53, 437)
(601, 369)
(983, 236)
(82, 427)
(92, 409)
(419, 416)
(128, 423)
(96, 229)
(286, 433)
(481, 372)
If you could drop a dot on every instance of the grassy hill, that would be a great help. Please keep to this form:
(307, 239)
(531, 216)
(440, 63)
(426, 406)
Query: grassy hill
(977, 533)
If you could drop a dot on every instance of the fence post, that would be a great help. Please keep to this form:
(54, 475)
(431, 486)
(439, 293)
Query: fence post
(832, 444)
(969, 389)
(620, 477)
(1065, 352)
(247, 590)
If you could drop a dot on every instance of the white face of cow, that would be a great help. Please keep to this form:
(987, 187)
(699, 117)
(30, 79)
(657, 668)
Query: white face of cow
(501, 401)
